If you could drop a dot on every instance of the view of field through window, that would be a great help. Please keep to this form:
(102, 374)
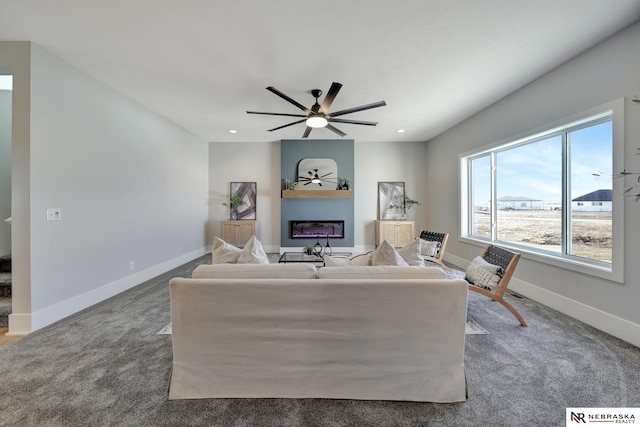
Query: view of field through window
(529, 183)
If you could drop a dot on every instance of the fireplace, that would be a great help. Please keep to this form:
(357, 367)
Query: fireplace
(309, 229)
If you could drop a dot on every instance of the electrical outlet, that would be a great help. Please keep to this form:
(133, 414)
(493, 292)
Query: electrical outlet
(54, 214)
(132, 266)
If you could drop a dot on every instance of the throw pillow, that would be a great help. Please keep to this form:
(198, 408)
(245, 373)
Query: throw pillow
(429, 249)
(482, 274)
(386, 254)
(252, 253)
(224, 253)
(411, 253)
(359, 259)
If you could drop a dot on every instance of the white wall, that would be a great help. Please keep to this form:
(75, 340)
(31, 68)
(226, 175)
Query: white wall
(260, 162)
(132, 186)
(606, 72)
(246, 161)
(5, 171)
(388, 161)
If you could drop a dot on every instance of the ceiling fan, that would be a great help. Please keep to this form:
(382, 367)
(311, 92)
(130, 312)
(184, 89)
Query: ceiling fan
(318, 115)
(315, 178)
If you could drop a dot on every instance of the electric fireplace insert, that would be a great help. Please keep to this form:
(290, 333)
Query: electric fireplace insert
(309, 229)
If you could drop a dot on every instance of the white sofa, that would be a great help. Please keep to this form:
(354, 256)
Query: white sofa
(238, 332)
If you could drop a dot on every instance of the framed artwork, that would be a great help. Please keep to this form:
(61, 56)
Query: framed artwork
(391, 200)
(247, 192)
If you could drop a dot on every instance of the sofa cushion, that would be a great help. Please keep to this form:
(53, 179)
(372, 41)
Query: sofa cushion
(223, 252)
(358, 259)
(386, 254)
(482, 274)
(300, 270)
(252, 253)
(411, 252)
(381, 272)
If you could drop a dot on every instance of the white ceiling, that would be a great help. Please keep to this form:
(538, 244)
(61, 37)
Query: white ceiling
(203, 63)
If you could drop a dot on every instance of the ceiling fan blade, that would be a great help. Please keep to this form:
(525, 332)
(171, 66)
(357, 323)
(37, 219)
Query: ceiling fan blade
(335, 130)
(326, 174)
(287, 125)
(307, 131)
(276, 114)
(360, 108)
(331, 95)
(286, 98)
(353, 122)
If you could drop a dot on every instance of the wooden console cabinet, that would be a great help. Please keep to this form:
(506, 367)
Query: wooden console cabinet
(398, 233)
(238, 233)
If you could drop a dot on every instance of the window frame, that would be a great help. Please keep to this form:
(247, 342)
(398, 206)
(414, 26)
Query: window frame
(613, 271)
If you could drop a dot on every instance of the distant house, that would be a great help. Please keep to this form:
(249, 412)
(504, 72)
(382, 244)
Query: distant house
(510, 203)
(596, 201)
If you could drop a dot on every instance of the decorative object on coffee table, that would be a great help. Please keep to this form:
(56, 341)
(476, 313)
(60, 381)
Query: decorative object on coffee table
(317, 248)
(327, 248)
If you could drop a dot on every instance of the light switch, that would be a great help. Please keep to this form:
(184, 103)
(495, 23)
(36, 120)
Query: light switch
(54, 214)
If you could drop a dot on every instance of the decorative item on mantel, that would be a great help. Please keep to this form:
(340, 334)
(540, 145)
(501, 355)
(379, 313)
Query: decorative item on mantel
(343, 184)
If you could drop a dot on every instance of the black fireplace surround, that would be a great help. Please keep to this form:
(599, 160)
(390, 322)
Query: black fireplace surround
(304, 229)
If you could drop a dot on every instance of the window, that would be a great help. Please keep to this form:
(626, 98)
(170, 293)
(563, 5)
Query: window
(551, 194)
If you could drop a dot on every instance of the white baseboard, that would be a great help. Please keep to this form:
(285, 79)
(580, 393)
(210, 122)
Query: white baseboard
(24, 323)
(606, 322)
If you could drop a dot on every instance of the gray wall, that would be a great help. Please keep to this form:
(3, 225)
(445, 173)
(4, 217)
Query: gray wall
(604, 73)
(294, 150)
(5, 171)
(131, 185)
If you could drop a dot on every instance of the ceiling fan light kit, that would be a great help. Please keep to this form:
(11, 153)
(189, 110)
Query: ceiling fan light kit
(317, 122)
(318, 115)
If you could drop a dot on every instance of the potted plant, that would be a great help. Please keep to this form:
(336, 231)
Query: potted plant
(343, 184)
(407, 204)
(234, 201)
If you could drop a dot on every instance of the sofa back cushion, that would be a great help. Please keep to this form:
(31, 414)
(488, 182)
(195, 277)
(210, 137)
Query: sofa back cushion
(382, 272)
(256, 271)
(338, 261)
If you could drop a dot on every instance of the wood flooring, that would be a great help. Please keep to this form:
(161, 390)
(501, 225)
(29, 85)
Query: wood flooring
(4, 338)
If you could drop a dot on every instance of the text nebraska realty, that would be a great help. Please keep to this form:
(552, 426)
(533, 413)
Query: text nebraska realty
(614, 418)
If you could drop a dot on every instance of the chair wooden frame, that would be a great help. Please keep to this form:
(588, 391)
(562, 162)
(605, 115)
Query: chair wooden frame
(432, 236)
(508, 261)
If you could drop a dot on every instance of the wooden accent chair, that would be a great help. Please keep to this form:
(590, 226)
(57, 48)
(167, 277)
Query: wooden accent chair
(507, 260)
(432, 236)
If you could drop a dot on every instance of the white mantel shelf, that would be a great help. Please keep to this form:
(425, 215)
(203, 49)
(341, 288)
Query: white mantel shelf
(317, 194)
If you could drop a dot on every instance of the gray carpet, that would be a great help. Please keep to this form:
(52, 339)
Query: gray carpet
(106, 366)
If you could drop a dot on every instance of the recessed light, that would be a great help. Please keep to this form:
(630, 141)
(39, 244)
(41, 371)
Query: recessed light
(400, 131)
(233, 131)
